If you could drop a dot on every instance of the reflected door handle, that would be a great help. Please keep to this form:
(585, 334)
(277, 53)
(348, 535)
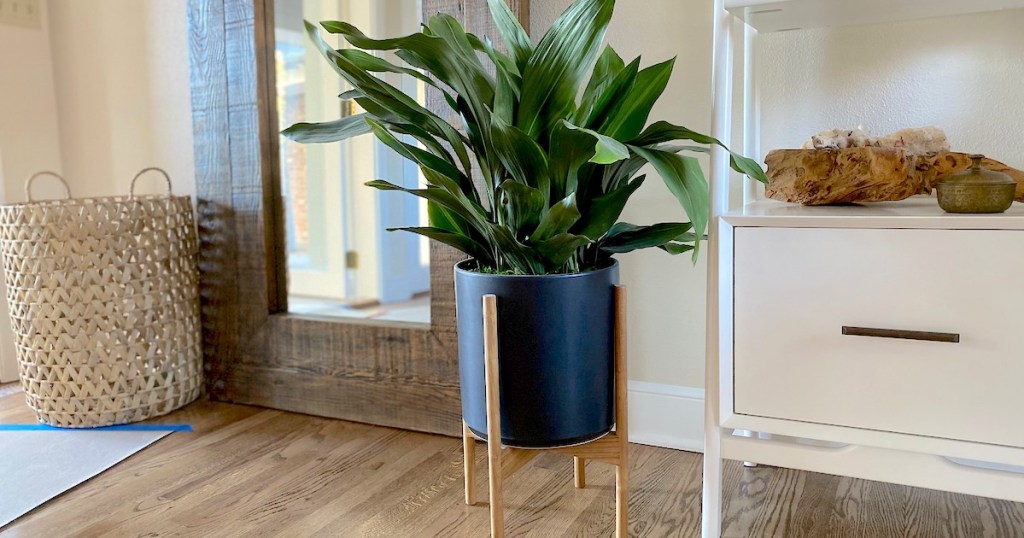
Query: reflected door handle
(951, 338)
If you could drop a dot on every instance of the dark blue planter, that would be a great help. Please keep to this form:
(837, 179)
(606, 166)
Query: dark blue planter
(555, 353)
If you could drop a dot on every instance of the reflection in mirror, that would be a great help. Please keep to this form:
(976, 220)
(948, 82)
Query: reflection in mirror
(341, 261)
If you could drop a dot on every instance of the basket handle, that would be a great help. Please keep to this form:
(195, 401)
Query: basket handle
(131, 189)
(28, 184)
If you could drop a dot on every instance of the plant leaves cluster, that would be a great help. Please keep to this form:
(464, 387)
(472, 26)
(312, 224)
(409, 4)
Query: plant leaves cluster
(558, 132)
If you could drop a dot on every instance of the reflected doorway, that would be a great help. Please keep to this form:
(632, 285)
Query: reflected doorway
(341, 260)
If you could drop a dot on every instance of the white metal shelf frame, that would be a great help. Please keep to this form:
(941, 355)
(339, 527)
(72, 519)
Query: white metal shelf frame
(773, 16)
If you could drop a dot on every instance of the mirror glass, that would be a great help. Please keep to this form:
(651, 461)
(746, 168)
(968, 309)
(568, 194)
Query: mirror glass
(341, 260)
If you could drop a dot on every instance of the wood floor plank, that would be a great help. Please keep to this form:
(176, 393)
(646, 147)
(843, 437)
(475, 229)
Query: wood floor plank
(1001, 519)
(666, 493)
(813, 505)
(884, 512)
(749, 499)
(247, 472)
(845, 520)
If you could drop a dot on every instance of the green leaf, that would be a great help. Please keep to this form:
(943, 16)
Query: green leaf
(523, 259)
(663, 131)
(445, 219)
(424, 159)
(350, 95)
(609, 63)
(373, 64)
(458, 241)
(497, 57)
(456, 202)
(554, 73)
(607, 151)
(460, 71)
(675, 248)
(464, 56)
(557, 250)
(397, 124)
(606, 209)
(558, 220)
(630, 118)
(625, 237)
(608, 97)
(685, 179)
(398, 105)
(458, 65)
(613, 176)
(507, 250)
(505, 95)
(328, 131)
(521, 156)
(523, 206)
(512, 32)
(569, 149)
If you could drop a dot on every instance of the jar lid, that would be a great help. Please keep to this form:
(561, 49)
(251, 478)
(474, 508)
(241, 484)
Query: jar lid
(977, 175)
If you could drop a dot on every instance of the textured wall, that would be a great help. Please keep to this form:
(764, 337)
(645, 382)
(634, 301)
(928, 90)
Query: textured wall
(667, 294)
(964, 74)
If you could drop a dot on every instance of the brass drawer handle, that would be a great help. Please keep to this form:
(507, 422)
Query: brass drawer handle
(951, 338)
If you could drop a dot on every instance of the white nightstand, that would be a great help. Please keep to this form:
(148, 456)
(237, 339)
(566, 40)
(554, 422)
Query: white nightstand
(927, 378)
(892, 334)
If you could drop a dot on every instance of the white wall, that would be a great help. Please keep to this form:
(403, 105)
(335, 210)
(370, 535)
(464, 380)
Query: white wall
(122, 87)
(667, 294)
(29, 136)
(964, 74)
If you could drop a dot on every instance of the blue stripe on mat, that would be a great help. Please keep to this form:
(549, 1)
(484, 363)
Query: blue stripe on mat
(119, 427)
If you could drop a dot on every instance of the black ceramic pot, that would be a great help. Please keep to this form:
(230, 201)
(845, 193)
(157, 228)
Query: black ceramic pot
(555, 354)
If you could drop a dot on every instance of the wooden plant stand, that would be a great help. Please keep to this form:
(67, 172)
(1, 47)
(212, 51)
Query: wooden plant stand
(504, 461)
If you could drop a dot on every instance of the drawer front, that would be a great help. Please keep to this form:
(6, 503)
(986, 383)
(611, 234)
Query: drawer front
(796, 288)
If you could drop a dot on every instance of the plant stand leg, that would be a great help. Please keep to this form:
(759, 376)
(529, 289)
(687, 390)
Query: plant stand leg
(469, 463)
(621, 417)
(493, 414)
(579, 471)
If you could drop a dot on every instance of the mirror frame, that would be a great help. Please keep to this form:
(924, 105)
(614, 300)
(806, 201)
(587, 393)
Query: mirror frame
(402, 376)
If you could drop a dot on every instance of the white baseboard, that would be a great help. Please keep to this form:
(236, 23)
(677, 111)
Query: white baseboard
(668, 416)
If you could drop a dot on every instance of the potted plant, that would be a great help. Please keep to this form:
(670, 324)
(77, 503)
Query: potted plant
(555, 168)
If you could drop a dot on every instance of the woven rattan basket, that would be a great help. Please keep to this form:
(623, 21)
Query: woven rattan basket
(104, 302)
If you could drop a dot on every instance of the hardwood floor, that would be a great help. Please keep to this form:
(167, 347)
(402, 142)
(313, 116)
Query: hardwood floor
(248, 471)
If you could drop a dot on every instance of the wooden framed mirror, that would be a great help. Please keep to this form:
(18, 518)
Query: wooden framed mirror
(256, 352)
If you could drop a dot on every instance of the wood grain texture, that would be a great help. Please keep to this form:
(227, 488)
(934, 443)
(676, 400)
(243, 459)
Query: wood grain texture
(866, 174)
(398, 375)
(248, 471)
(218, 291)
(833, 176)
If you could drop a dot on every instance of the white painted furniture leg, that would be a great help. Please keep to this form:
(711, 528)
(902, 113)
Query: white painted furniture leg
(711, 504)
(711, 509)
